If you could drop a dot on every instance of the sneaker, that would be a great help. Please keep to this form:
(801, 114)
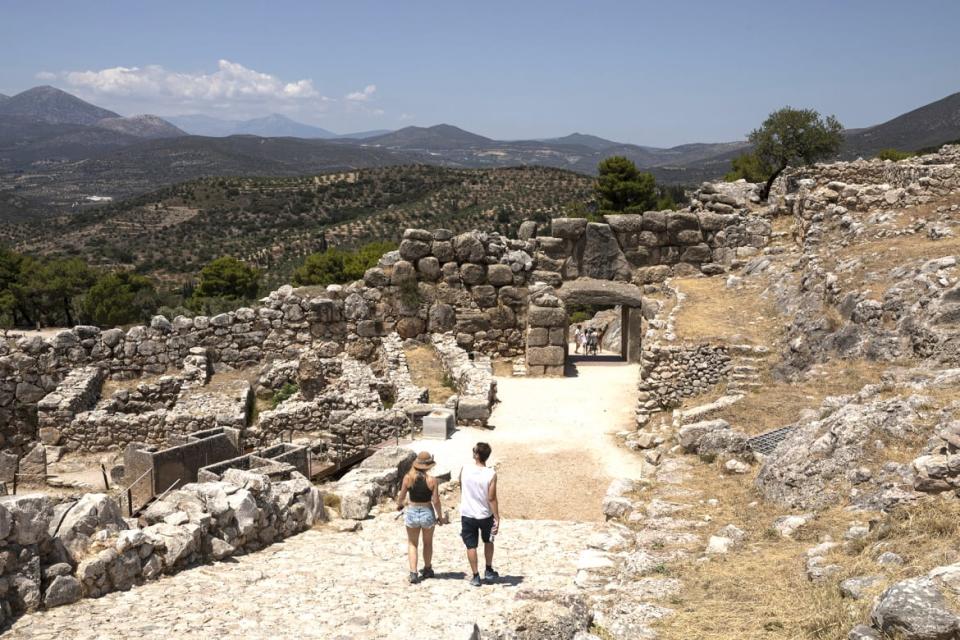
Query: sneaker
(413, 577)
(426, 572)
(476, 581)
(490, 576)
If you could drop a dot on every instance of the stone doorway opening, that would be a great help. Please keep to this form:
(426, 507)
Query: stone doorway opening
(594, 333)
(623, 304)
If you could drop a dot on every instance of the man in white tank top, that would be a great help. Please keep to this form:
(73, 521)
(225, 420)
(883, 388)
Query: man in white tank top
(479, 511)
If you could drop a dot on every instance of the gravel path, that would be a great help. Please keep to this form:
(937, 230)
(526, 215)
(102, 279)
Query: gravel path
(555, 444)
(330, 585)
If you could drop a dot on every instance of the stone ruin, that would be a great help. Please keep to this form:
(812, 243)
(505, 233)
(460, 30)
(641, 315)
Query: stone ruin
(209, 471)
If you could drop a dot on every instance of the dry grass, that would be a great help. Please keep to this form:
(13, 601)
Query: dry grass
(761, 590)
(876, 257)
(427, 371)
(712, 311)
(779, 403)
(112, 386)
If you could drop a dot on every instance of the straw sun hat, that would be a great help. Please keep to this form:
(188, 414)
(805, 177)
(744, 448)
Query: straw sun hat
(424, 461)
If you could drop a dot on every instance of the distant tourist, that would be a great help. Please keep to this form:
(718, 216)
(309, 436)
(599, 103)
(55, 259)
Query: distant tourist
(423, 511)
(583, 340)
(479, 512)
(577, 335)
(593, 341)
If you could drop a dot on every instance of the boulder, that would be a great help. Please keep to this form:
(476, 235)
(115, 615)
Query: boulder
(31, 514)
(915, 609)
(92, 513)
(691, 434)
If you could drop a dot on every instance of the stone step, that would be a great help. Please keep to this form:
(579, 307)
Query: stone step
(742, 368)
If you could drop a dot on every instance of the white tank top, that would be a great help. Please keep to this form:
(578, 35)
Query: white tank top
(474, 487)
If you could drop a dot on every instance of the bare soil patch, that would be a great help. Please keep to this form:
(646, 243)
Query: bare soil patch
(427, 371)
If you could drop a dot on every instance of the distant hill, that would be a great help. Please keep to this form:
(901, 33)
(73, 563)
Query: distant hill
(54, 106)
(440, 136)
(3, 98)
(584, 140)
(142, 126)
(360, 135)
(274, 125)
(928, 126)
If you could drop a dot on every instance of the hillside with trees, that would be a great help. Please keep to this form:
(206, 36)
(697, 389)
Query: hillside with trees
(273, 223)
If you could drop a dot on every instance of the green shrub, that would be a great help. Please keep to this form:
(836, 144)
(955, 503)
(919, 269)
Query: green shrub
(287, 391)
(894, 154)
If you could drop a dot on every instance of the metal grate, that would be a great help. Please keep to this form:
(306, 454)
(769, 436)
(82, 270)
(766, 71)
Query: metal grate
(765, 443)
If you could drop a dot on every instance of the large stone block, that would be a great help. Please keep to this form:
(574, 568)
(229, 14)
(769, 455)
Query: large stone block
(413, 250)
(472, 274)
(442, 318)
(499, 275)
(468, 247)
(654, 221)
(443, 251)
(696, 253)
(538, 337)
(546, 356)
(473, 410)
(568, 228)
(484, 295)
(546, 317)
(555, 248)
(602, 256)
(438, 424)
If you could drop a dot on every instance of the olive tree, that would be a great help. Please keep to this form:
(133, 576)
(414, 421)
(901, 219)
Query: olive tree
(794, 137)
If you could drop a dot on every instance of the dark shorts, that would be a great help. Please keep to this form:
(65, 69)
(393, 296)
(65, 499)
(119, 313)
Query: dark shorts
(473, 530)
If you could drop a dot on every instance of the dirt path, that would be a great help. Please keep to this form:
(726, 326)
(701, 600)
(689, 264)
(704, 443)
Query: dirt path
(554, 439)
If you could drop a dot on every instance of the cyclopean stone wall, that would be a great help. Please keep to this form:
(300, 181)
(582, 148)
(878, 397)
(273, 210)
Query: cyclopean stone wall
(701, 238)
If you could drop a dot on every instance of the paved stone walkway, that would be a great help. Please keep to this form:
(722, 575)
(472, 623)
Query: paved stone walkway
(330, 585)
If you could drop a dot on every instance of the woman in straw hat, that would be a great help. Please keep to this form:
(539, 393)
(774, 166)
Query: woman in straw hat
(422, 513)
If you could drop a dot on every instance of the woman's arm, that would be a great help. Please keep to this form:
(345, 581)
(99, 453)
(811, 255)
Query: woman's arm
(435, 499)
(402, 494)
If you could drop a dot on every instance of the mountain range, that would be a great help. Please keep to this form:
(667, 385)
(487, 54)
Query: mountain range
(274, 125)
(57, 151)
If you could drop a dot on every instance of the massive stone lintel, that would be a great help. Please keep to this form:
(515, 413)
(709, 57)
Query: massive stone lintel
(590, 291)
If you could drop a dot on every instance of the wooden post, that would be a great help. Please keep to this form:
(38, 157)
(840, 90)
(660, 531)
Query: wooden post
(106, 482)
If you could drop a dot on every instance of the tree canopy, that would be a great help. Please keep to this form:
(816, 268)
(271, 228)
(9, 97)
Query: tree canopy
(749, 167)
(339, 266)
(120, 298)
(228, 277)
(795, 137)
(621, 186)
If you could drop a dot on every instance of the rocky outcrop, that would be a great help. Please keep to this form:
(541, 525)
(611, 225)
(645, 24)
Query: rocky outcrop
(85, 548)
(810, 468)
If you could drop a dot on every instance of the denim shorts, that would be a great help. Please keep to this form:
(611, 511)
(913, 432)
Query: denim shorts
(417, 517)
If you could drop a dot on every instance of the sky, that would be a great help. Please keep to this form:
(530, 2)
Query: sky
(650, 73)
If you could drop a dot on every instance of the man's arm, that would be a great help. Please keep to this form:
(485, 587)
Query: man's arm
(494, 506)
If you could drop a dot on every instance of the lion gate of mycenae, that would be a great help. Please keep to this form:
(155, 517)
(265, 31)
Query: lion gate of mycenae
(548, 322)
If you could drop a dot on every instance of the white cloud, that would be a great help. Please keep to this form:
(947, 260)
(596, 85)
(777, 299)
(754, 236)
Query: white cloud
(404, 117)
(46, 75)
(364, 95)
(231, 81)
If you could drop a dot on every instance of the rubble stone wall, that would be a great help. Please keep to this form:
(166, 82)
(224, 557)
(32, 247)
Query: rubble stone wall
(865, 185)
(669, 373)
(473, 377)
